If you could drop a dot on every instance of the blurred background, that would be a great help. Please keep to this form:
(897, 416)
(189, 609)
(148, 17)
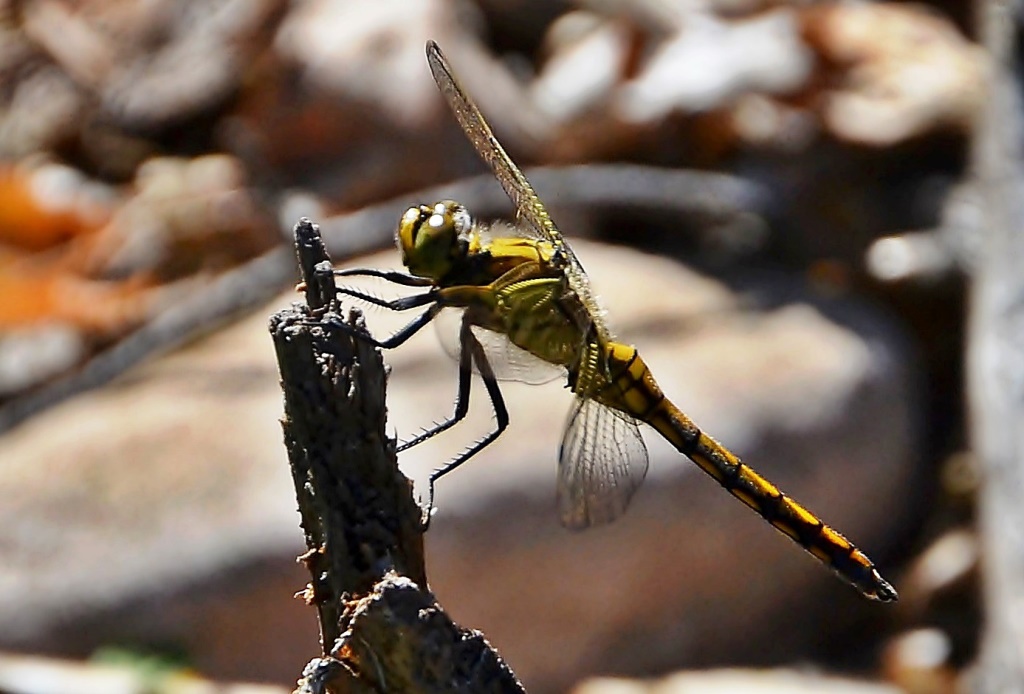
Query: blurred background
(764, 193)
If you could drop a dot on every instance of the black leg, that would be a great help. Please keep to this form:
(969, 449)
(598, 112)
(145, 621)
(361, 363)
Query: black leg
(500, 413)
(461, 398)
(413, 327)
(395, 276)
(403, 303)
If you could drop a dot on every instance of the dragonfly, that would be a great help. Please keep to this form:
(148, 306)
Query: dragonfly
(527, 312)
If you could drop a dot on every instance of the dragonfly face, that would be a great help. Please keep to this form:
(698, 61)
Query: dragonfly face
(434, 239)
(525, 301)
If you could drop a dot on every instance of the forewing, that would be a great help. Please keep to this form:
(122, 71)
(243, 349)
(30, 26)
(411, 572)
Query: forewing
(603, 461)
(520, 192)
(509, 362)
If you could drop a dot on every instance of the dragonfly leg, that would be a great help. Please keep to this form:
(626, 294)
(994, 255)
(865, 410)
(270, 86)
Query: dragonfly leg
(461, 397)
(395, 276)
(413, 327)
(471, 346)
(400, 304)
(402, 278)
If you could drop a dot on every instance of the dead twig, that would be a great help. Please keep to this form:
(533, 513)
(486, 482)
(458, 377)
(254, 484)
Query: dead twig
(381, 629)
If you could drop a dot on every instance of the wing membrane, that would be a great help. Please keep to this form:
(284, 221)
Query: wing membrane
(603, 461)
(520, 192)
(509, 362)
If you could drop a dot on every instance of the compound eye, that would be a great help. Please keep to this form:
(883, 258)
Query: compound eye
(438, 220)
(411, 216)
(410, 226)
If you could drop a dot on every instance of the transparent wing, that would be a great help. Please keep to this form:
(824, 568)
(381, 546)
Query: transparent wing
(509, 363)
(500, 229)
(520, 192)
(602, 462)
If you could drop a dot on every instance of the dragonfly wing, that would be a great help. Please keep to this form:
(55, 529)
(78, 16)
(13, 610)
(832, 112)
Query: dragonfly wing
(527, 203)
(603, 461)
(509, 362)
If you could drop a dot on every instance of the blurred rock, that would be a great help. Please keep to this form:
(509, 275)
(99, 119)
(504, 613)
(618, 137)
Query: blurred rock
(87, 263)
(38, 110)
(710, 62)
(903, 71)
(135, 520)
(44, 204)
(32, 355)
(184, 217)
(949, 564)
(919, 257)
(30, 675)
(588, 56)
(35, 296)
(769, 124)
(752, 75)
(153, 64)
(736, 682)
(574, 93)
(380, 62)
(352, 119)
(94, 80)
(160, 510)
(940, 612)
(920, 662)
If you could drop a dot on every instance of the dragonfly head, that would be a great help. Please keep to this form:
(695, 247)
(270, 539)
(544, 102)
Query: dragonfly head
(434, 238)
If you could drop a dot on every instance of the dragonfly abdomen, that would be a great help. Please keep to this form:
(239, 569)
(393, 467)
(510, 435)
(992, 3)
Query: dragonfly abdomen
(639, 395)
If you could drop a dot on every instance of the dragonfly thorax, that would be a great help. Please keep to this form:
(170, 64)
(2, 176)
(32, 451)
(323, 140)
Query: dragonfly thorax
(434, 238)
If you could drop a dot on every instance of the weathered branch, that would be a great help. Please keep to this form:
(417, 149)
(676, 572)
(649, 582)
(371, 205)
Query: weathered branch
(381, 629)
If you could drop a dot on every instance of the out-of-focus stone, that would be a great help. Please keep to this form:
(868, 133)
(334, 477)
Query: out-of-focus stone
(919, 662)
(31, 355)
(38, 111)
(906, 70)
(33, 675)
(160, 509)
(185, 216)
(583, 70)
(940, 612)
(949, 564)
(736, 682)
(94, 79)
(710, 62)
(380, 62)
(86, 263)
(44, 204)
(347, 118)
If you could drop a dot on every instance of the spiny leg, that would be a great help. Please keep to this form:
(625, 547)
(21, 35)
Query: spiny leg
(395, 276)
(403, 303)
(401, 336)
(400, 304)
(461, 397)
(472, 345)
(471, 351)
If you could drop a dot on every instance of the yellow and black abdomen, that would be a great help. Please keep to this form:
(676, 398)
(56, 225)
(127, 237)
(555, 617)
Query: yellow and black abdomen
(634, 391)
